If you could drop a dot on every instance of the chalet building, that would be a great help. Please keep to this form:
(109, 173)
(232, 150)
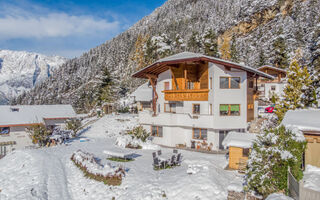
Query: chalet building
(269, 87)
(142, 97)
(307, 121)
(14, 121)
(198, 99)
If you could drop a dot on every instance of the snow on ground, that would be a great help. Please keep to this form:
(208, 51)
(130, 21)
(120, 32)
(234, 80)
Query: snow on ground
(311, 178)
(277, 196)
(48, 173)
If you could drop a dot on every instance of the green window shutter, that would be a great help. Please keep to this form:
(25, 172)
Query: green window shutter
(235, 108)
(224, 107)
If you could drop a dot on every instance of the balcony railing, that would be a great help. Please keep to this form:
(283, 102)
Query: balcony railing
(186, 95)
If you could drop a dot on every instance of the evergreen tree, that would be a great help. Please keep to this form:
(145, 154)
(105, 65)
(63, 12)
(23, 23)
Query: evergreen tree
(210, 43)
(194, 42)
(273, 152)
(233, 50)
(294, 93)
(105, 93)
(262, 59)
(280, 49)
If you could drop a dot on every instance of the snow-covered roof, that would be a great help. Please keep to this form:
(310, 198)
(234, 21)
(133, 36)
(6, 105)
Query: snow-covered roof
(237, 139)
(33, 114)
(189, 56)
(143, 93)
(272, 67)
(303, 119)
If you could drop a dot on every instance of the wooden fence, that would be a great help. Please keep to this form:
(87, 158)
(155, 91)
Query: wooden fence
(297, 191)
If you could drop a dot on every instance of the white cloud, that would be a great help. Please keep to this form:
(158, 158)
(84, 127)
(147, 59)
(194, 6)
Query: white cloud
(53, 25)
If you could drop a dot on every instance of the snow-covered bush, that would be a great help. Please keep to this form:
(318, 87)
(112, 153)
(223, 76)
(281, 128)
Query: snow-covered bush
(39, 134)
(88, 164)
(74, 125)
(273, 152)
(139, 133)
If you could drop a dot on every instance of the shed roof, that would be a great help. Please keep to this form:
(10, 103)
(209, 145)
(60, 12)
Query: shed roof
(33, 114)
(143, 93)
(237, 139)
(303, 119)
(161, 65)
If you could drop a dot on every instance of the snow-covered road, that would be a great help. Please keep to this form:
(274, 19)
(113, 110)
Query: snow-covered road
(48, 173)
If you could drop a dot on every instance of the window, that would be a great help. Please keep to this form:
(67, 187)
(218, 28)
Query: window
(273, 87)
(156, 131)
(229, 82)
(4, 130)
(170, 107)
(210, 83)
(229, 109)
(166, 85)
(200, 133)
(196, 109)
(190, 85)
(14, 109)
(245, 152)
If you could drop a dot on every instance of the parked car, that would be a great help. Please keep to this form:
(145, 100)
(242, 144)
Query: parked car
(269, 109)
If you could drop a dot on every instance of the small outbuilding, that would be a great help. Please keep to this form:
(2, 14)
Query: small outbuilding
(307, 121)
(239, 145)
(143, 97)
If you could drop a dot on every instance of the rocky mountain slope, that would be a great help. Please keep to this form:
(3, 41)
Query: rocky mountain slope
(255, 32)
(20, 71)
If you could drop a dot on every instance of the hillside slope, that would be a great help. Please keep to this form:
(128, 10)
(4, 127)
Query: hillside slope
(251, 31)
(20, 71)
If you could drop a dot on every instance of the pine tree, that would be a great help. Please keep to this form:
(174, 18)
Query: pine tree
(139, 52)
(262, 59)
(225, 48)
(194, 42)
(210, 43)
(280, 49)
(294, 93)
(233, 50)
(273, 152)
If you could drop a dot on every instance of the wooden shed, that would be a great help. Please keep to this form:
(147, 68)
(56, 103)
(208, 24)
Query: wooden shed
(239, 145)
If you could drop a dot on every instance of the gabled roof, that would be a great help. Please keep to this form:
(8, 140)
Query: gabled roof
(273, 68)
(242, 140)
(33, 114)
(304, 119)
(161, 65)
(143, 93)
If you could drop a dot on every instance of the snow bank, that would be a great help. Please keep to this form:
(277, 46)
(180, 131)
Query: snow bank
(124, 141)
(194, 169)
(236, 139)
(303, 119)
(89, 162)
(311, 178)
(277, 196)
(236, 187)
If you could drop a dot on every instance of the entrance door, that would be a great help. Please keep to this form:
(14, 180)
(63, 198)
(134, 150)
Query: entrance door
(222, 135)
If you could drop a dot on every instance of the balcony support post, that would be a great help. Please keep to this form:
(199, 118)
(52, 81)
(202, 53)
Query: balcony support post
(153, 80)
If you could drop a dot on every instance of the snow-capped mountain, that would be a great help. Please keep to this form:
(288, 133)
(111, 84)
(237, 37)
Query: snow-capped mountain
(20, 71)
(257, 31)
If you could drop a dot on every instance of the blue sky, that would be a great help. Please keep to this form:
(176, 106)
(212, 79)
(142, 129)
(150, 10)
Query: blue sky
(67, 28)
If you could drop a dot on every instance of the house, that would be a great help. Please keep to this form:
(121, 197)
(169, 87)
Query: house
(198, 98)
(269, 87)
(307, 121)
(240, 145)
(14, 120)
(143, 97)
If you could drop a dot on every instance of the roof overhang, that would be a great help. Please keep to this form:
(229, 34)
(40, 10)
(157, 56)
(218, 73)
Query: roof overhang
(272, 68)
(161, 66)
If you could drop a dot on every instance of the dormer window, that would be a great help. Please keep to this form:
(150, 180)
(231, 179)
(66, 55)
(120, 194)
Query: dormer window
(14, 109)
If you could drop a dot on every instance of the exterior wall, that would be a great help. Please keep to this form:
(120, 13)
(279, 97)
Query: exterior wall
(313, 150)
(55, 122)
(235, 154)
(279, 87)
(19, 135)
(228, 96)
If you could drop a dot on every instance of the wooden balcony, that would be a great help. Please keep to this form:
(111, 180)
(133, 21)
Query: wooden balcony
(186, 95)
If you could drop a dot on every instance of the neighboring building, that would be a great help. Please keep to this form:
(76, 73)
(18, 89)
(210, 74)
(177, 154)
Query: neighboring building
(143, 97)
(269, 87)
(240, 145)
(14, 120)
(307, 121)
(198, 98)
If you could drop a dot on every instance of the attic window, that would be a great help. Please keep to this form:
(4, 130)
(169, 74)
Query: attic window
(14, 109)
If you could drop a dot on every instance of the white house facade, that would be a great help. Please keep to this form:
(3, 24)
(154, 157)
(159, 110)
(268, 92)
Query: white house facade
(14, 121)
(198, 99)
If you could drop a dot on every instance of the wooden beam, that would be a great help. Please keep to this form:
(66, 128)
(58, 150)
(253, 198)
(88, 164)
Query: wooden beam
(174, 78)
(155, 96)
(185, 75)
(151, 76)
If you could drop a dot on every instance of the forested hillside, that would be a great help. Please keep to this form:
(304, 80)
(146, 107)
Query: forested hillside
(254, 32)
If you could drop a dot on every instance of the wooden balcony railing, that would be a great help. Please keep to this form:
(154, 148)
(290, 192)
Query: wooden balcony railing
(186, 95)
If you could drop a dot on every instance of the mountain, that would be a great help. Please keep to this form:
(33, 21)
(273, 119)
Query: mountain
(254, 32)
(20, 71)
